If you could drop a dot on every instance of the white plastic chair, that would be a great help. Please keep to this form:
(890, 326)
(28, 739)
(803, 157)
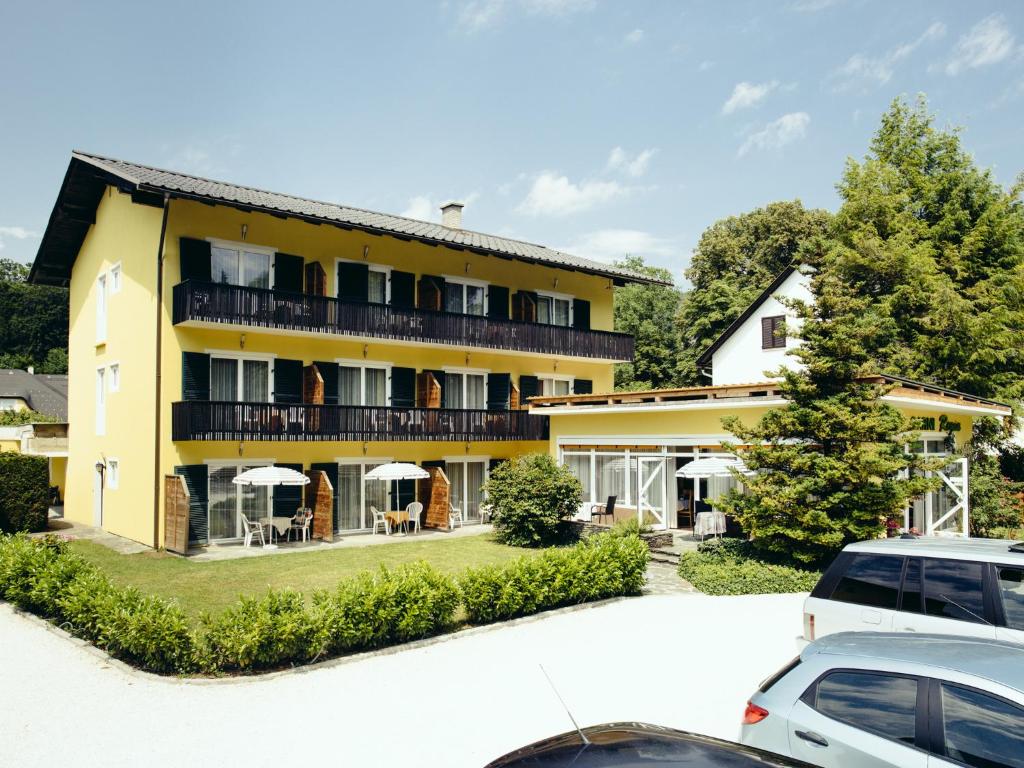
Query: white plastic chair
(252, 529)
(303, 519)
(378, 520)
(414, 510)
(455, 516)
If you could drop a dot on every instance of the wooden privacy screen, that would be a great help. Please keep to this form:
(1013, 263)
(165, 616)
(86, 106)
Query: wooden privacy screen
(316, 279)
(428, 390)
(175, 514)
(435, 496)
(320, 498)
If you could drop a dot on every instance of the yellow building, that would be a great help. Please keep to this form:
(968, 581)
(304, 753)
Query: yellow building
(216, 328)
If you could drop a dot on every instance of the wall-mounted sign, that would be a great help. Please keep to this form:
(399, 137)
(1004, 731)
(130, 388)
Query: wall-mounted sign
(927, 424)
(946, 425)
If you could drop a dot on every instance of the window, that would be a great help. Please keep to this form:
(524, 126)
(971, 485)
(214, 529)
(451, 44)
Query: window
(911, 598)
(872, 580)
(1011, 587)
(554, 310)
(551, 386)
(362, 385)
(115, 377)
(228, 501)
(377, 285)
(356, 495)
(239, 380)
(465, 389)
(113, 473)
(240, 266)
(953, 589)
(115, 278)
(467, 478)
(101, 402)
(464, 297)
(101, 309)
(980, 729)
(610, 477)
(885, 705)
(773, 332)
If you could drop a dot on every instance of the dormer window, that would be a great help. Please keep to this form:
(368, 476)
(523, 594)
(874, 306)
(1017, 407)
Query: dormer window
(773, 332)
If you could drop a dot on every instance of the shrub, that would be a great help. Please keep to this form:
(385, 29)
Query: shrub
(260, 632)
(729, 567)
(531, 497)
(24, 492)
(148, 631)
(599, 567)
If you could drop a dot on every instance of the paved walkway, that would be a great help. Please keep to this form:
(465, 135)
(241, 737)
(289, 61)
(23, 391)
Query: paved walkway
(687, 661)
(663, 579)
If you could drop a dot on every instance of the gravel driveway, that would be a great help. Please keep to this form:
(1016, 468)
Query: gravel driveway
(687, 661)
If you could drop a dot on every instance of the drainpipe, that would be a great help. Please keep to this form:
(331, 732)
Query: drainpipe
(156, 393)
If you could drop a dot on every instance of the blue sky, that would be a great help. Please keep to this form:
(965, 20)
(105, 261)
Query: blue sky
(596, 127)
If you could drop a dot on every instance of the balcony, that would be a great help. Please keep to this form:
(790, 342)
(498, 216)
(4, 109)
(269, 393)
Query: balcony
(280, 422)
(242, 308)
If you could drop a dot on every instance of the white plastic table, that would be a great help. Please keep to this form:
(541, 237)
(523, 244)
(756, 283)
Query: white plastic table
(279, 524)
(709, 524)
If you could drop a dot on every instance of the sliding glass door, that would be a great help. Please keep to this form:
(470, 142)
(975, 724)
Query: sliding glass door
(356, 495)
(466, 478)
(227, 502)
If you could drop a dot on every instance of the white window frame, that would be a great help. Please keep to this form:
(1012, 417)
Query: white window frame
(237, 463)
(116, 276)
(240, 246)
(560, 296)
(373, 267)
(462, 371)
(465, 281)
(101, 401)
(466, 459)
(362, 365)
(553, 377)
(114, 377)
(101, 308)
(113, 473)
(240, 356)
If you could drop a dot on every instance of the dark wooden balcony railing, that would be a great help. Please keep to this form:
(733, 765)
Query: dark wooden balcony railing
(263, 308)
(209, 420)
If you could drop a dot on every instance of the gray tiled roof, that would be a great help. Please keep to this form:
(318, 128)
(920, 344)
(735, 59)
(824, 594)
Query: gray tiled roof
(43, 392)
(158, 180)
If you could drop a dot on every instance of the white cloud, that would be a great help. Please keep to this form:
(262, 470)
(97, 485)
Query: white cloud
(778, 133)
(812, 6)
(878, 70)
(475, 15)
(987, 42)
(556, 7)
(746, 95)
(636, 166)
(554, 195)
(634, 37)
(612, 244)
(705, 65)
(16, 233)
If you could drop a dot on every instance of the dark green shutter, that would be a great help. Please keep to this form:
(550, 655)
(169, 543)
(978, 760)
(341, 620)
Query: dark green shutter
(196, 480)
(288, 273)
(287, 381)
(403, 290)
(331, 470)
(529, 386)
(497, 302)
(582, 386)
(288, 498)
(403, 493)
(491, 464)
(194, 258)
(329, 373)
(195, 376)
(581, 314)
(353, 281)
(499, 389)
(403, 387)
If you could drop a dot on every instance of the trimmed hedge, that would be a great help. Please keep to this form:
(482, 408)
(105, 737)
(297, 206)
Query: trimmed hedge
(598, 567)
(372, 610)
(24, 492)
(728, 567)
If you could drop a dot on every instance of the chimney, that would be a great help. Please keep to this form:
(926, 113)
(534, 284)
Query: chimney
(451, 215)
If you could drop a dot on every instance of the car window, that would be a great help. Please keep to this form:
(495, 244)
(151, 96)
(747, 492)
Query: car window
(953, 589)
(883, 704)
(910, 599)
(981, 730)
(1011, 588)
(870, 580)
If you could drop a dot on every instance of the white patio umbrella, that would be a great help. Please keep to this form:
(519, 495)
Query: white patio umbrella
(713, 466)
(397, 471)
(266, 476)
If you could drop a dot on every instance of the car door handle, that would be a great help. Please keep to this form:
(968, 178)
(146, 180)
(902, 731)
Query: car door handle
(812, 737)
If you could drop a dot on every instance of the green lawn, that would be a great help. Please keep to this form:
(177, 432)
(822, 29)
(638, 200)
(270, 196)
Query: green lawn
(212, 586)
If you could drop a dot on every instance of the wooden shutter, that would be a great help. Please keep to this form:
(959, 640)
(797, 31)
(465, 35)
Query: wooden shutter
(287, 498)
(329, 373)
(499, 388)
(515, 400)
(428, 391)
(196, 480)
(497, 302)
(194, 258)
(524, 306)
(316, 279)
(288, 381)
(288, 273)
(331, 470)
(403, 290)
(432, 292)
(403, 387)
(772, 334)
(581, 314)
(582, 386)
(529, 386)
(353, 281)
(195, 376)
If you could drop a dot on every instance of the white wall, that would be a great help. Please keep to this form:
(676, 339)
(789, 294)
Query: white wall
(740, 360)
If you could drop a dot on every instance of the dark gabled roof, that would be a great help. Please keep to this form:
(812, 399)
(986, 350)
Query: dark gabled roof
(705, 357)
(88, 175)
(46, 393)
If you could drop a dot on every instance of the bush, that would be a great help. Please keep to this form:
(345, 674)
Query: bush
(24, 492)
(260, 632)
(599, 567)
(729, 567)
(531, 498)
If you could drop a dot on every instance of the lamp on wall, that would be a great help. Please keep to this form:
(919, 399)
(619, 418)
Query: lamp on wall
(365, 446)
(467, 267)
(366, 252)
(100, 466)
(555, 284)
(245, 231)
(241, 447)
(366, 350)
(241, 341)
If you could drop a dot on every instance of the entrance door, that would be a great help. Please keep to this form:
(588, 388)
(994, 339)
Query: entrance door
(650, 505)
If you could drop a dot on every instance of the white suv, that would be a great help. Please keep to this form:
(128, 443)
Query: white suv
(969, 587)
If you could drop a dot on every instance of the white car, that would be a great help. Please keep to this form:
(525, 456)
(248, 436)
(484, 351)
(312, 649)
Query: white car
(874, 700)
(970, 587)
